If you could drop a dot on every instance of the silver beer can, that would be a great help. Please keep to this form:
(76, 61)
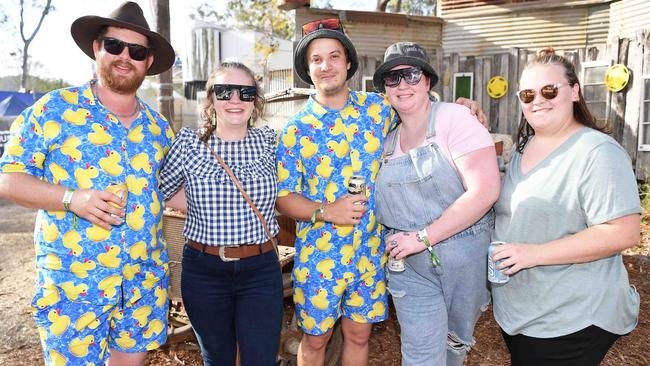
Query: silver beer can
(396, 265)
(494, 275)
(357, 185)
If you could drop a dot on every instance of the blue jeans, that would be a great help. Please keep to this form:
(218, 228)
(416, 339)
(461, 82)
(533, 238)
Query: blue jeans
(234, 302)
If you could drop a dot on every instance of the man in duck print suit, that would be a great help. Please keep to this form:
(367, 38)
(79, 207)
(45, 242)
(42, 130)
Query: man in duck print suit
(101, 262)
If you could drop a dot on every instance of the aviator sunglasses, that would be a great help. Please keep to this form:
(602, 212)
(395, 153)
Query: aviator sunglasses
(115, 47)
(549, 92)
(329, 23)
(246, 93)
(411, 75)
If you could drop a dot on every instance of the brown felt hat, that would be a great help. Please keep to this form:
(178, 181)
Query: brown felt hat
(128, 15)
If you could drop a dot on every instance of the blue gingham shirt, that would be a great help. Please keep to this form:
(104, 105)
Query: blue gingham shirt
(217, 213)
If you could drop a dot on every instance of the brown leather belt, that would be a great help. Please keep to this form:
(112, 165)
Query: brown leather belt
(233, 253)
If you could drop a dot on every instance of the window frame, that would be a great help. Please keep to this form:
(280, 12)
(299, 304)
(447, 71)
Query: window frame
(641, 146)
(593, 64)
(365, 79)
(471, 84)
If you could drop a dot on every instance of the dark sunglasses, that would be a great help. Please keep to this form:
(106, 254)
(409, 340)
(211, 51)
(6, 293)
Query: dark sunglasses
(246, 93)
(328, 23)
(115, 46)
(549, 92)
(411, 75)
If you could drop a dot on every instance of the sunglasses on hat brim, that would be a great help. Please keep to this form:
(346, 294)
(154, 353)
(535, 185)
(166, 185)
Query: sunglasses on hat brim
(549, 92)
(246, 93)
(115, 47)
(328, 23)
(411, 75)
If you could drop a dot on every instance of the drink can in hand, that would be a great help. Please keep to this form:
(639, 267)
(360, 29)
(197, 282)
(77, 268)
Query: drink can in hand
(357, 186)
(120, 190)
(395, 265)
(495, 275)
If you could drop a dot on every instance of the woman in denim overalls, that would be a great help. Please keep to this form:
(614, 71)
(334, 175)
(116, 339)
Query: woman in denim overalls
(435, 191)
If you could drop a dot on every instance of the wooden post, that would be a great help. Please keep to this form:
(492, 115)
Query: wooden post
(165, 86)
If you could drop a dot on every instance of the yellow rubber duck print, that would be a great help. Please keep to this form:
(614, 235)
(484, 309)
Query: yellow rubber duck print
(141, 162)
(342, 283)
(13, 167)
(136, 185)
(69, 148)
(350, 111)
(154, 206)
(378, 310)
(52, 262)
(305, 252)
(343, 230)
(313, 184)
(58, 173)
(57, 359)
(88, 94)
(124, 340)
(341, 149)
(159, 152)
(51, 129)
(374, 111)
(80, 269)
(355, 300)
(298, 296)
(70, 96)
(326, 324)
(338, 127)
(108, 286)
(380, 290)
(155, 327)
(88, 319)
(324, 169)
(17, 124)
(60, 323)
(374, 243)
(325, 268)
(320, 299)
(109, 259)
(372, 143)
(111, 163)
(138, 251)
(135, 219)
(135, 135)
(141, 315)
(309, 148)
(149, 280)
(77, 117)
(283, 173)
(39, 106)
(130, 270)
(50, 231)
(14, 146)
(37, 159)
(323, 243)
(50, 297)
(161, 296)
(351, 131)
(71, 241)
(347, 252)
(85, 176)
(364, 265)
(72, 291)
(97, 234)
(289, 138)
(99, 136)
(79, 346)
(358, 318)
(301, 274)
(330, 190)
(307, 321)
(312, 121)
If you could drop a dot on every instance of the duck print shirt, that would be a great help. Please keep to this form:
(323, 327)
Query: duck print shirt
(319, 150)
(69, 138)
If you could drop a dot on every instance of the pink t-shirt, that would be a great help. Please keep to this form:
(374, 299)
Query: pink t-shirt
(458, 132)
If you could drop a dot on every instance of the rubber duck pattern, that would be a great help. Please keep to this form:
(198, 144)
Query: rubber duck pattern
(338, 270)
(89, 278)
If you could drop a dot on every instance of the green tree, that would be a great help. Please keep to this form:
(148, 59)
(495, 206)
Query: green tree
(263, 16)
(411, 7)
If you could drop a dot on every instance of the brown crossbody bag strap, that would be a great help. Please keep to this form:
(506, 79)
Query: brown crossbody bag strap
(246, 197)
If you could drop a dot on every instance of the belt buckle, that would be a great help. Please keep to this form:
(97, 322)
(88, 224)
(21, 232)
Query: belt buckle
(222, 254)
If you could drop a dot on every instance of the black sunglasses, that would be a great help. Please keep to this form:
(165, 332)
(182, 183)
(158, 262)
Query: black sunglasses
(246, 93)
(411, 75)
(115, 46)
(549, 92)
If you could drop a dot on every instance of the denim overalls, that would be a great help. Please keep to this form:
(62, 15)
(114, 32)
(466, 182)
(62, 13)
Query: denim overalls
(437, 307)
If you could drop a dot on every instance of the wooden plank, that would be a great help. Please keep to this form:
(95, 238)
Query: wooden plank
(495, 68)
(504, 101)
(513, 114)
(642, 167)
(633, 100)
(618, 99)
(445, 79)
(438, 66)
(478, 82)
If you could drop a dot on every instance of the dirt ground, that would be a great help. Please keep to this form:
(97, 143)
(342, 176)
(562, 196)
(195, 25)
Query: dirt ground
(19, 343)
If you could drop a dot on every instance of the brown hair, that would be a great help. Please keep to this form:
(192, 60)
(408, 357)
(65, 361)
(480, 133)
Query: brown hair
(581, 113)
(207, 109)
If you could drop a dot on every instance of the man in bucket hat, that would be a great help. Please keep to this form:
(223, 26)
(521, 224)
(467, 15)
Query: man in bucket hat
(339, 134)
(101, 262)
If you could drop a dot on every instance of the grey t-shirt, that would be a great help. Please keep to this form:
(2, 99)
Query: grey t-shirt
(588, 180)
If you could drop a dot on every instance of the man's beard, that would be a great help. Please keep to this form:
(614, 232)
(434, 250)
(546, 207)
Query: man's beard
(119, 83)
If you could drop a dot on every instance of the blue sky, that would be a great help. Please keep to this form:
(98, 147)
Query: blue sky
(56, 54)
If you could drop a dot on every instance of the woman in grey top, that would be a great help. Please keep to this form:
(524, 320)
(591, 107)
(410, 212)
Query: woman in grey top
(568, 206)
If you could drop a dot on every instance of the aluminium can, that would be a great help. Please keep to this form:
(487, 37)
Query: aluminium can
(494, 275)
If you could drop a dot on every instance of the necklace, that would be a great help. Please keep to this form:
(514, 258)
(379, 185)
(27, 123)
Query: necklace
(129, 115)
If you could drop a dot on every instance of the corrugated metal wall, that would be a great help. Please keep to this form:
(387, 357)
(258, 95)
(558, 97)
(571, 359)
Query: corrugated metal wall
(628, 16)
(494, 29)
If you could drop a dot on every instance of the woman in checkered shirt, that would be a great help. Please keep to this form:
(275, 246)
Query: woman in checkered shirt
(231, 281)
